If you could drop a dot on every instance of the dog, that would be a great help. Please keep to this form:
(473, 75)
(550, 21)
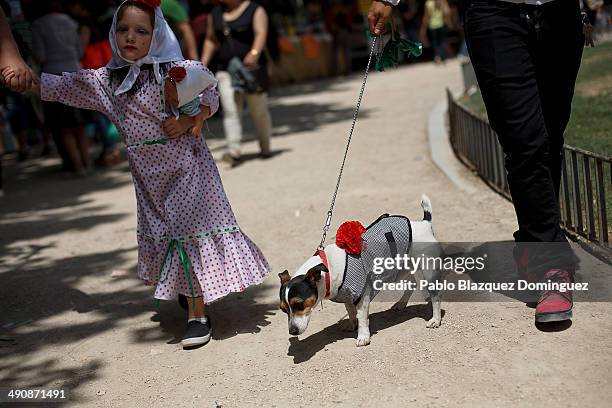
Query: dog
(302, 292)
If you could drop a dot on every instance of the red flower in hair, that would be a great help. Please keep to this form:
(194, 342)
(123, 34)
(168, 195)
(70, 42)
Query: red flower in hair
(177, 74)
(348, 237)
(150, 3)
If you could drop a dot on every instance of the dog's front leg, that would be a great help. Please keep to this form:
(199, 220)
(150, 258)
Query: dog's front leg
(363, 321)
(351, 323)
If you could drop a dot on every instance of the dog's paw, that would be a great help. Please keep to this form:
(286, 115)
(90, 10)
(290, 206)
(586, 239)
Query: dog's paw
(399, 306)
(363, 340)
(348, 325)
(433, 323)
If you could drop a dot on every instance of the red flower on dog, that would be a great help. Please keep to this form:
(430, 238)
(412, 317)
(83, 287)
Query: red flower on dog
(177, 74)
(348, 237)
(150, 3)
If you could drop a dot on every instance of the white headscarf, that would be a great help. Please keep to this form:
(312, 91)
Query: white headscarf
(164, 48)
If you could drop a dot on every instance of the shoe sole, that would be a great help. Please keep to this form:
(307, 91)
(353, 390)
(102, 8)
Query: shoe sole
(553, 317)
(195, 341)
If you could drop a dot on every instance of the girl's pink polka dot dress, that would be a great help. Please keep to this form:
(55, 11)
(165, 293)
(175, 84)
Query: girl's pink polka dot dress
(184, 218)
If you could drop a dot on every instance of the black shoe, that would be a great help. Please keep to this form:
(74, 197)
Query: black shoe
(197, 333)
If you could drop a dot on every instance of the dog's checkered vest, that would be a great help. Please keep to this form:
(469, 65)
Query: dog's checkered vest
(388, 236)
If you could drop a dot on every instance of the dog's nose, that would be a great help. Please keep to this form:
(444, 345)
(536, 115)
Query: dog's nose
(294, 331)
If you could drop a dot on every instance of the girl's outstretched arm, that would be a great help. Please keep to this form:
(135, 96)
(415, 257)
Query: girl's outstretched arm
(85, 89)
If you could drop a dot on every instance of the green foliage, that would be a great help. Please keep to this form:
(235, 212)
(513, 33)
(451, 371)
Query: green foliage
(590, 125)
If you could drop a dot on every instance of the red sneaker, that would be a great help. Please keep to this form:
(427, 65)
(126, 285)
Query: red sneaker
(553, 305)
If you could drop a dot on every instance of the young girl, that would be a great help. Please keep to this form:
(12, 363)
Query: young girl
(188, 240)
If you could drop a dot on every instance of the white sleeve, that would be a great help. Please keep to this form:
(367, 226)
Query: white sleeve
(392, 2)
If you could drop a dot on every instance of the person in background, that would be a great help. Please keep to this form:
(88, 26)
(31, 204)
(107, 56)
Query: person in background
(199, 11)
(338, 21)
(97, 53)
(436, 11)
(57, 47)
(176, 16)
(409, 11)
(240, 29)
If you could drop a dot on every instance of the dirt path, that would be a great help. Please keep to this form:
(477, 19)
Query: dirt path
(66, 322)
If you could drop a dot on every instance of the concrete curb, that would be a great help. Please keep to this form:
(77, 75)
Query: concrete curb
(442, 153)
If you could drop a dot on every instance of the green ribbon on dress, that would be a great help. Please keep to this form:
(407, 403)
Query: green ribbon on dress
(161, 141)
(186, 266)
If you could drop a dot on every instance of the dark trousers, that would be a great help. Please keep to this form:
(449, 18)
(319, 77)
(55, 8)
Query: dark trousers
(438, 42)
(526, 59)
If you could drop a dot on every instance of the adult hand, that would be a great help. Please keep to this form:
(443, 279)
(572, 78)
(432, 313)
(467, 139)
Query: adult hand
(16, 75)
(177, 127)
(378, 15)
(250, 60)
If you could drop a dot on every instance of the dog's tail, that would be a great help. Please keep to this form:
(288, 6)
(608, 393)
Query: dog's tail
(426, 205)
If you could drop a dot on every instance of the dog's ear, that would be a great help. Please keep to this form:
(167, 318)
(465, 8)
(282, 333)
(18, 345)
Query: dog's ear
(284, 277)
(314, 274)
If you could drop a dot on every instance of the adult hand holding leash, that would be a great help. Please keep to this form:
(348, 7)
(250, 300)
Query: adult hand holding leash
(379, 13)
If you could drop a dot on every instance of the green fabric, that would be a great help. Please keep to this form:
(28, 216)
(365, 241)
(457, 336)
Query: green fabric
(389, 57)
(174, 243)
(113, 133)
(196, 236)
(161, 141)
(156, 141)
(174, 13)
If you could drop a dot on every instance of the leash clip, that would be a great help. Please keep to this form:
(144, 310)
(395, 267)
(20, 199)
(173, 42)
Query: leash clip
(325, 229)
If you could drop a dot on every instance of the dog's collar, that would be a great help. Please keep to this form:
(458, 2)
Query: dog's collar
(321, 254)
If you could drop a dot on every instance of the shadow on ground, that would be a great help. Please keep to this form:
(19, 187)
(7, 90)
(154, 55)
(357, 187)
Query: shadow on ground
(52, 305)
(303, 350)
(30, 296)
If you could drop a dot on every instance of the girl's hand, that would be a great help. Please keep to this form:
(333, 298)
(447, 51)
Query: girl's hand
(177, 127)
